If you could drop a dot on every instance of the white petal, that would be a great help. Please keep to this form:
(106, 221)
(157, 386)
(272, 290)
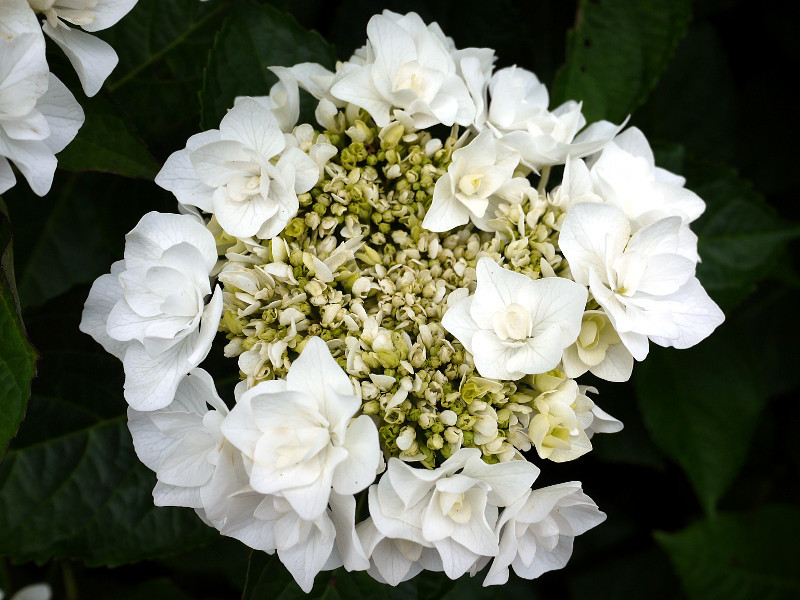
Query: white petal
(358, 471)
(109, 12)
(105, 293)
(63, 113)
(315, 370)
(249, 123)
(92, 58)
(591, 236)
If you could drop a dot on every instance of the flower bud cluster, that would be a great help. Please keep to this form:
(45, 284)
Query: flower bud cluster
(356, 268)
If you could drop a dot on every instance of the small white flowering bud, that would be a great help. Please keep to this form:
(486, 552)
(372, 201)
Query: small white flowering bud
(393, 172)
(369, 390)
(448, 417)
(279, 249)
(426, 420)
(327, 245)
(435, 442)
(406, 438)
(453, 435)
(315, 288)
(383, 341)
(432, 146)
(361, 287)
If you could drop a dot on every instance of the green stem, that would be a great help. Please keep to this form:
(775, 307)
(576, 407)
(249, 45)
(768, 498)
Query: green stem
(70, 585)
(543, 180)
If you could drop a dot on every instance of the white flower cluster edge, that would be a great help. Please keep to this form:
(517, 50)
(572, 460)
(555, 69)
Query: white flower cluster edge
(281, 470)
(39, 116)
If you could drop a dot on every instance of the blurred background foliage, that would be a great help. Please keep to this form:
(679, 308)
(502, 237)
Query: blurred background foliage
(700, 487)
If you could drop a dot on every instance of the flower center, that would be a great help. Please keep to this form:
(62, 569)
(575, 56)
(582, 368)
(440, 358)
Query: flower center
(513, 323)
(456, 507)
(469, 183)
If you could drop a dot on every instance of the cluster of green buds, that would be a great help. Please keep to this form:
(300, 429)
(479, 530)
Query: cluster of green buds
(356, 268)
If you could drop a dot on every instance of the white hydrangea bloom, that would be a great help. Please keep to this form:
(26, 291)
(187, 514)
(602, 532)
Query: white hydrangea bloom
(38, 115)
(92, 58)
(513, 325)
(299, 437)
(625, 175)
(182, 443)
(537, 532)
(478, 171)
(645, 282)
(518, 114)
(409, 67)
(599, 350)
(151, 311)
(565, 419)
(230, 172)
(452, 508)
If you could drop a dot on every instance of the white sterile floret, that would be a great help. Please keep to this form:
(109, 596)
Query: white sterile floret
(537, 532)
(518, 115)
(408, 67)
(305, 546)
(599, 350)
(151, 311)
(182, 442)
(299, 437)
(514, 325)
(645, 282)
(243, 173)
(452, 508)
(92, 58)
(479, 170)
(625, 175)
(565, 420)
(38, 114)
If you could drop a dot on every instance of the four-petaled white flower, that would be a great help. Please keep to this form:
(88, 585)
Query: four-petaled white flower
(565, 419)
(645, 282)
(536, 532)
(38, 114)
(151, 311)
(299, 437)
(479, 170)
(514, 325)
(408, 67)
(519, 116)
(233, 172)
(452, 508)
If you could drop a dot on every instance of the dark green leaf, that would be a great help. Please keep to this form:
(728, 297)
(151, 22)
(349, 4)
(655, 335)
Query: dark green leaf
(108, 142)
(17, 356)
(695, 101)
(268, 578)
(253, 38)
(163, 48)
(701, 406)
(617, 52)
(86, 496)
(740, 234)
(71, 485)
(739, 556)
